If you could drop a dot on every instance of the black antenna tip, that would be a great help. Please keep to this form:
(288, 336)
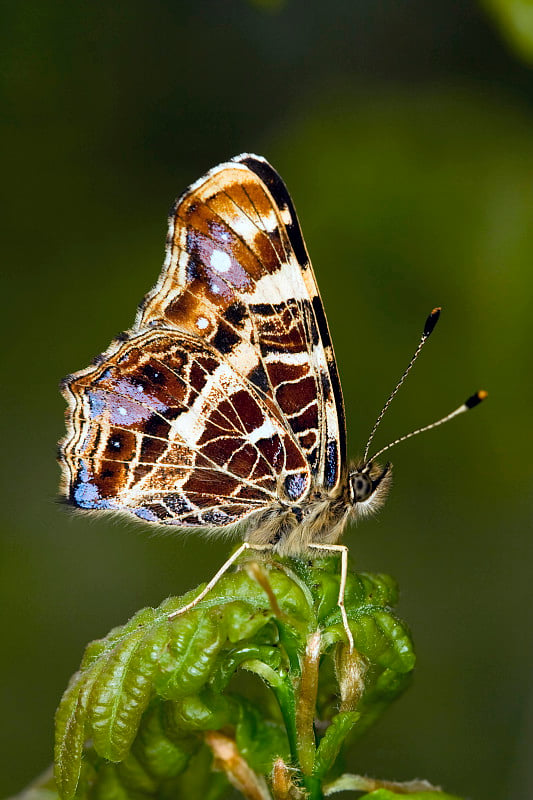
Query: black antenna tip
(476, 399)
(432, 321)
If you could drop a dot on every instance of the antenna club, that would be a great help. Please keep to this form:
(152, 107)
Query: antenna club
(432, 321)
(476, 399)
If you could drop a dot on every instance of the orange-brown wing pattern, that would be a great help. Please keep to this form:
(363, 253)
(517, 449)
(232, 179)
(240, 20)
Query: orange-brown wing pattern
(237, 274)
(165, 429)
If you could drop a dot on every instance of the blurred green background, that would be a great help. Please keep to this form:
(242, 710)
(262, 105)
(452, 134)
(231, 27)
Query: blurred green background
(404, 131)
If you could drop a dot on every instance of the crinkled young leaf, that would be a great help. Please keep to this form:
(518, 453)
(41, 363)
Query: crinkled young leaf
(379, 635)
(325, 589)
(378, 589)
(322, 577)
(383, 639)
(116, 681)
(71, 724)
(163, 757)
(190, 654)
(241, 586)
(332, 741)
(292, 598)
(361, 590)
(123, 690)
(203, 711)
(145, 617)
(69, 738)
(242, 621)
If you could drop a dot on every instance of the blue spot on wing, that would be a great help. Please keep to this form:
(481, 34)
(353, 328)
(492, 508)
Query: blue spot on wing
(96, 404)
(85, 494)
(295, 485)
(144, 513)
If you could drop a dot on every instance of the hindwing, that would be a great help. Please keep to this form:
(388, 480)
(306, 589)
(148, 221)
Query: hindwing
(166, 429)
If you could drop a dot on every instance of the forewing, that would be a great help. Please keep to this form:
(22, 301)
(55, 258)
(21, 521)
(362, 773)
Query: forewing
(237, 274)
(165, 428)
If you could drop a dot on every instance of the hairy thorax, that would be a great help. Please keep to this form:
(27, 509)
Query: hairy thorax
(320, 518)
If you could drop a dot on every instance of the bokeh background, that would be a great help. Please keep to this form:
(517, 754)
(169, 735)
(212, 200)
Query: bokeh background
(404, 131)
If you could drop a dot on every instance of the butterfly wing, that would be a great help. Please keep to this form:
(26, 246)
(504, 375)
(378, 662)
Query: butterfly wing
(166, 429)
(237, 273)
(224, 397)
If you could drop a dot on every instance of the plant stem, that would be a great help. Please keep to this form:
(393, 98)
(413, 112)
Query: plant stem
(314, 787)
(306, 704)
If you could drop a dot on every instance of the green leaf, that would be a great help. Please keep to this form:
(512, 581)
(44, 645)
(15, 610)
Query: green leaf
(201, 712)
(260, 741)
(243, 621)
(162, 756)
(97, 648)
(325, 588)
(69, 738)
(361, 589)
(240, 586)
(332, 741)
(190, 655)
(293, 598)
(379, 589)
(123, 690)
(70, 732)
(384, 640)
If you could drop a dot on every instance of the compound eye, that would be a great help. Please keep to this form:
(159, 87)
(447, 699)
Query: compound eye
(362, 487)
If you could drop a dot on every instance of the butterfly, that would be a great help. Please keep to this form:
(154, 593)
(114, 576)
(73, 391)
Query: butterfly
(221, 408)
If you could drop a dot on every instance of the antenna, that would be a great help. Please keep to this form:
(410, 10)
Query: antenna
(429, 326)
(471, 402)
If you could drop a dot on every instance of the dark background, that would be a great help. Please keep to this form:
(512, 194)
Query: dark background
(404, 132)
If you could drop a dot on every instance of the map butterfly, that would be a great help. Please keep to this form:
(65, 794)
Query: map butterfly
(221, 407)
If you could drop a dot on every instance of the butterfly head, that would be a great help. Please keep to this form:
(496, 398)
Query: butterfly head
(368, 485)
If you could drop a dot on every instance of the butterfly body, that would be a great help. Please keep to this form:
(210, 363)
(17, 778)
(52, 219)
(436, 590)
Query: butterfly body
(321, 518)
(221, 408)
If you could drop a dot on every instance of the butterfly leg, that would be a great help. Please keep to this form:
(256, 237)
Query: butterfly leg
(343, 550)
(214, 580)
